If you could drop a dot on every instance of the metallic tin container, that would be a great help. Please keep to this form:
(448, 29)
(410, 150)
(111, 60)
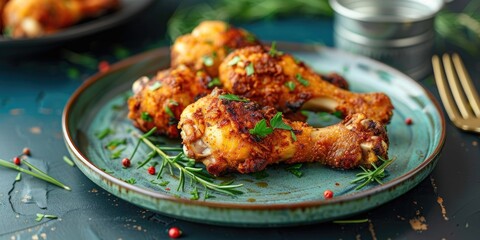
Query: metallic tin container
(397, 32)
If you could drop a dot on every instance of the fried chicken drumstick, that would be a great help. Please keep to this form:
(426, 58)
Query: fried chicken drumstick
(34, 18)
(218, 132)
(208, 44)
(276, 79)
(158, 102)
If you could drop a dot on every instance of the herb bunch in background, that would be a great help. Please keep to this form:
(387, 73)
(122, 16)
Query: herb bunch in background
(186, 18)
(461, 29)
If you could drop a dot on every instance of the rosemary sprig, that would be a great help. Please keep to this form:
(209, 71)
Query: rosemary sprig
(35, 173)
(186, 168)
(375, 175)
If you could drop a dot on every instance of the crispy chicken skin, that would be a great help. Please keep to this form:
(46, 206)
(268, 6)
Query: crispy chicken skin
(216, 131)
(158, 102)
(34, 18)
(279, 80)
(208, 44)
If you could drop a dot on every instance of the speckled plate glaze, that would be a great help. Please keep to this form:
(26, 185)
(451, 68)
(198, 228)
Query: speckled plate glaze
(281, 198)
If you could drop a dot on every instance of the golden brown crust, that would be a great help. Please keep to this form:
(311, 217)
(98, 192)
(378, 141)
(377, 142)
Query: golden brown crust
(33, 18)
(217, 132)
(208, 44)
(279, 80)
(164, 97)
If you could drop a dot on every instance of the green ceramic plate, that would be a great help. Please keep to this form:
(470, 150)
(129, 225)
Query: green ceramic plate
(281, 198)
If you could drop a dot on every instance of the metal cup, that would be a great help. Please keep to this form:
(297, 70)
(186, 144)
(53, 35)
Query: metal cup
(397, 32)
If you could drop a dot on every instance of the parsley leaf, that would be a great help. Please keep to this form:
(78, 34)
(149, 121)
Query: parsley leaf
(169, 111)
(146, 117)
(214, 82)
(250, 69)
(295, 169)
(290, 85)
(232, 97)
(155, 86)
(208, 61)
(277, 122)
(102, 134)
(273, 50)
(234, 61)
(302, 80)
(261, 129)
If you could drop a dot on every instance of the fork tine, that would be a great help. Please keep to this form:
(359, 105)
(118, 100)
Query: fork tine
(445, 95)
(457, 92)
(467, 84)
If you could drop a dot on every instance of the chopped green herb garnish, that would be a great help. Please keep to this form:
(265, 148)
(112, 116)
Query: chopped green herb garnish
(146, 117)
(102, 134)
(233, 61)
(261, 129)
(250, 69)
(131, 181)
(302, 80)
(19, 177)
(195, 195)
(162, 183)
(273, 50)
(232, 97)
(40, 216)
(117, 154)
(173, 102)
(68, 161)
(295, 169)
(156, 85)
(277, 122)
(338, 114)
(294, 137)
(290, 85)
(115, 143)
(208, 61)
(169, 111)
(214, 82)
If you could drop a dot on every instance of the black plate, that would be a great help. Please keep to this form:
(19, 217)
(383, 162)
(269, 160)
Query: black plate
(128, 9)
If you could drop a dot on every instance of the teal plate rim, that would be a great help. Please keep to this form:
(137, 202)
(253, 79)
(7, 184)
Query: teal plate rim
(250, 214)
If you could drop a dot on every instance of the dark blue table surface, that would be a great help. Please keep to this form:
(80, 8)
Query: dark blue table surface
(34, 90)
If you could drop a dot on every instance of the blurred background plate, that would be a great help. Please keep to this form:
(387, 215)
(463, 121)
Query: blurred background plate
(19, 47)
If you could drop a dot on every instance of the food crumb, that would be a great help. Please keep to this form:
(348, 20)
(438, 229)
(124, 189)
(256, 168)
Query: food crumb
(16, 111)
(474, 143)
(372, 230)
(35, 130)
(444, 211)
(419, 223)
(43, 235)
(35, 237)
(94, 190)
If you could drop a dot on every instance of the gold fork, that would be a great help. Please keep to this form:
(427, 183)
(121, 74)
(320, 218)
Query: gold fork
(459, 96)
